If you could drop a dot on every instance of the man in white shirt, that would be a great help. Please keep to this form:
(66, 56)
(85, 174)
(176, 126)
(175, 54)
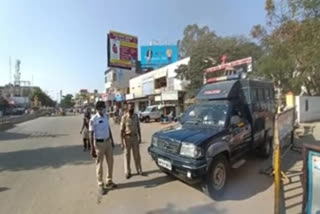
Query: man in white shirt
(102, 146)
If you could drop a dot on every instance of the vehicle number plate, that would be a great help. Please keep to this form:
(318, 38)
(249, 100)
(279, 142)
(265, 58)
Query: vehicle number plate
(165, 164)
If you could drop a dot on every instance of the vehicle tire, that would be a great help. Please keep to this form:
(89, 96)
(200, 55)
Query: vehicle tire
(157, 120)
(266, 149)
(147, 119)
(216, 179)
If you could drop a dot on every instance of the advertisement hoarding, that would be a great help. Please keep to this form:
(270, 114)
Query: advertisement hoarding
(311, 176)
(156, 56)
(122, 50)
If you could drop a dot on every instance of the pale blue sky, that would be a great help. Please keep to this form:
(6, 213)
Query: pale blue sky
(62, 43)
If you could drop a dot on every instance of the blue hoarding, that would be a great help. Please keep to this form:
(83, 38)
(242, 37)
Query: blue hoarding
(156, 56)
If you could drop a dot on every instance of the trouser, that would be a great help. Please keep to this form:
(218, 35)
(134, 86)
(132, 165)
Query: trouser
(85, 136)
(86, 143)
(131, 143)
(104, 150)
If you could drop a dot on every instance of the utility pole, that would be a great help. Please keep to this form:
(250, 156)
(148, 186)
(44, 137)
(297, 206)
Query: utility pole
(9, 69)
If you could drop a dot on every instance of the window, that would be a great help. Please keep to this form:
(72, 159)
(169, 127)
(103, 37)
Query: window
(260, 94)
(114, 76)
(255, 95)
(267, 93)
(161, 82)
(306, 105)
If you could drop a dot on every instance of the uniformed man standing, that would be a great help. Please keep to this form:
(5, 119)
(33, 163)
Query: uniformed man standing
(85, 129)
(102, 146)
(130, 140)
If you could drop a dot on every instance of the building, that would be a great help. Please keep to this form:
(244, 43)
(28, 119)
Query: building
(117, 85)
(17, 95)
(160, 86)
(85, 98)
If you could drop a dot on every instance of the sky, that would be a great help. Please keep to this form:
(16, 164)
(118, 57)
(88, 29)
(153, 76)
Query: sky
(62, 43)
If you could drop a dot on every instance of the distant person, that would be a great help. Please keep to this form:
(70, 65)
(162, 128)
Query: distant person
(102, 146)
(85, 129)
(130, 140)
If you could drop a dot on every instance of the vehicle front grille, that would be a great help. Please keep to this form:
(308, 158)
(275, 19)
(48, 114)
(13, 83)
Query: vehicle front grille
(168, 146)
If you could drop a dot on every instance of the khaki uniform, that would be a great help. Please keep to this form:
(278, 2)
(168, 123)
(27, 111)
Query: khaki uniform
(129, 125)
(104, 150)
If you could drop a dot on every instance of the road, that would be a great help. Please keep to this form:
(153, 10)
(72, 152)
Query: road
(44, 170)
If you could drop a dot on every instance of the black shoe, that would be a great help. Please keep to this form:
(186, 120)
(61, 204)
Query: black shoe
(111, 185)
(128, 176)
(102, 191)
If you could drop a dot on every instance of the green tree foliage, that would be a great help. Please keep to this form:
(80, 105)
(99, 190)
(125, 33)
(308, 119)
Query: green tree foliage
(67, 101)
(291, 44)
(206, 49)
(42, 97)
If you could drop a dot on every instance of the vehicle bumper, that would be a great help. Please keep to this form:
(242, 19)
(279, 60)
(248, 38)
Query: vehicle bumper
(189, 170)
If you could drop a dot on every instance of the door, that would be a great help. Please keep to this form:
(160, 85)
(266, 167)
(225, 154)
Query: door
(240, 133)
(154, 113)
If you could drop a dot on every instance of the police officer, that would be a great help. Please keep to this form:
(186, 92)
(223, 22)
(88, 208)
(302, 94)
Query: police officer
(130, 140)
(85, 129)
(102, 146)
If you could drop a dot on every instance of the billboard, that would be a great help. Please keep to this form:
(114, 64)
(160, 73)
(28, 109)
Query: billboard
(156, 56)
(122, 50)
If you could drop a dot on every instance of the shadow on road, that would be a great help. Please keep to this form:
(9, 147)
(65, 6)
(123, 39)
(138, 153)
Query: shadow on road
(147, 183)
(202, 209)
(50, 157)
(246, 181)
(2, 189)
(17, 136)
(12, 136)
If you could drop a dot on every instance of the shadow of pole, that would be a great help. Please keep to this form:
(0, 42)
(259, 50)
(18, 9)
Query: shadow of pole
(202, 209)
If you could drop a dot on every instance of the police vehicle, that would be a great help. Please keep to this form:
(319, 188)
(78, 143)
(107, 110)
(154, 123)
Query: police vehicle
(233, 115)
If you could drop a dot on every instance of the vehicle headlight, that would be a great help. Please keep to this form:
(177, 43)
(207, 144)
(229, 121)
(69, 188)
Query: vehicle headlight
(154, 141)
(190, 150)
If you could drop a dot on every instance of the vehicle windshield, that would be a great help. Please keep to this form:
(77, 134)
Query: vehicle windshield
(149, 109)
(213, 113)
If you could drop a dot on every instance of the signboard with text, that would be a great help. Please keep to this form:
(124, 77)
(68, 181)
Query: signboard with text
(122, 50)
(311, 177)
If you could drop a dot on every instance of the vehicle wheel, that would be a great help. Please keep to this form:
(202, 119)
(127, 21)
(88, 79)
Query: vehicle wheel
(266, 149)
(147, 119)
(216, 179)
(157, 120)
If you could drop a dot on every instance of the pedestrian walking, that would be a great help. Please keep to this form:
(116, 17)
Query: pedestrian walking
(130, 140)
(85, 129)
(102, 146)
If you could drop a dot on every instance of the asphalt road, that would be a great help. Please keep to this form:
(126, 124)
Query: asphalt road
(44, 170)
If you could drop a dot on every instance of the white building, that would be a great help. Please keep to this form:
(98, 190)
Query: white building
(159, 86)
(117, 84)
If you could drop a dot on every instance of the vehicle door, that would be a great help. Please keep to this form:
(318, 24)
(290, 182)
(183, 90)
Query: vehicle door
(239, 132)
(154, 113)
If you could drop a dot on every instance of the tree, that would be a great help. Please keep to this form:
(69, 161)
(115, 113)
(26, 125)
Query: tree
(67, 101)
(291, 44)
(206, 49)
(42, 97)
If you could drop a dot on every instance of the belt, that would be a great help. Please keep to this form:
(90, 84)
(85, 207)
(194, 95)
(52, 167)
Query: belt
(101, 140)
(131, 134)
